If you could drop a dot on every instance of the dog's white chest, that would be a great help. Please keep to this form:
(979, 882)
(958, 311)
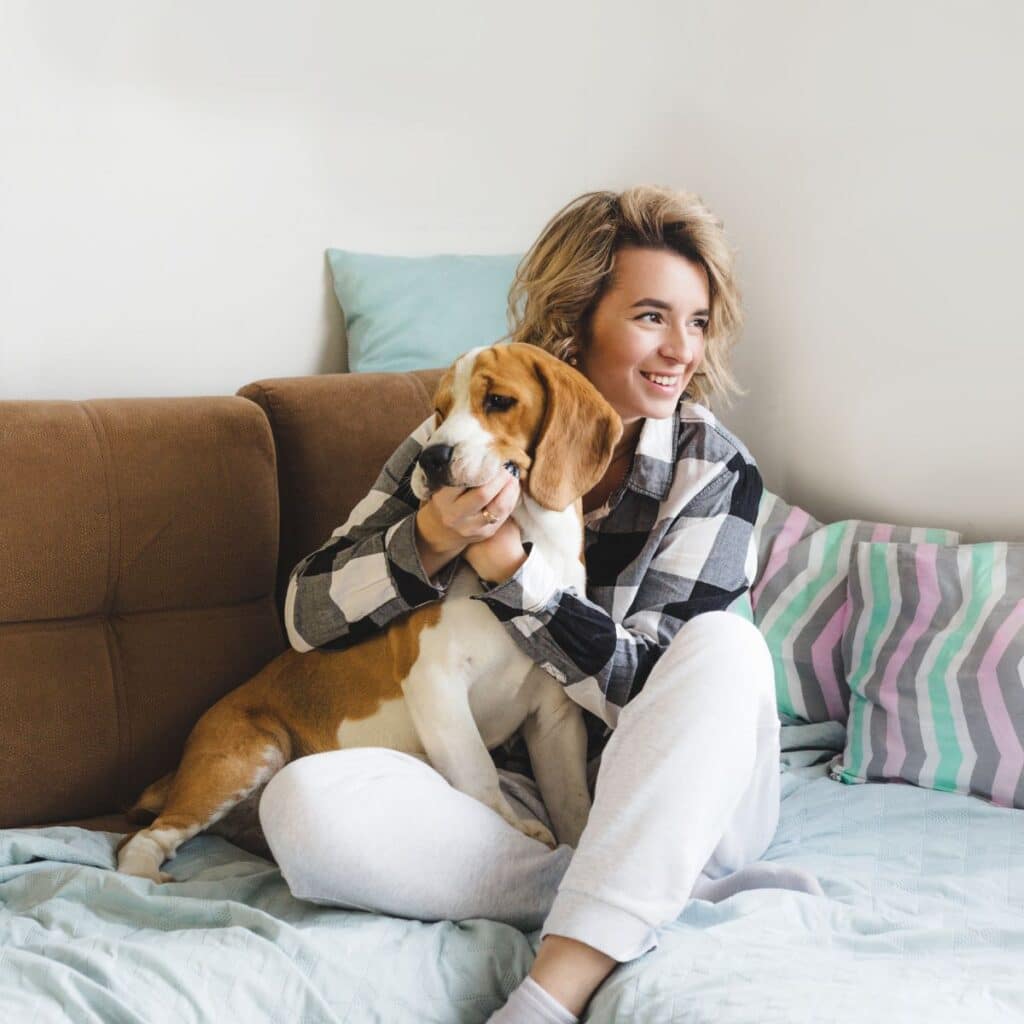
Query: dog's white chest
(477, 658)
(467, 653)
(481, 660)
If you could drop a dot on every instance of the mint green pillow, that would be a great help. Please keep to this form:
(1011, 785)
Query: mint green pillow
(416, 312)
(801, 604)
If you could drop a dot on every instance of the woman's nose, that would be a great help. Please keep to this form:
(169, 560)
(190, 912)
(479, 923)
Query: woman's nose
(684, 346)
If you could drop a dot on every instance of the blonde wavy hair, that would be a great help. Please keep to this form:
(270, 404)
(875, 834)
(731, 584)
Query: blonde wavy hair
(568, 269)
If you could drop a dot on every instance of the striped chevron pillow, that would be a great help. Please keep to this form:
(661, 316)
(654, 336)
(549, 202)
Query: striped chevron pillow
(935, 661)
(800, 603)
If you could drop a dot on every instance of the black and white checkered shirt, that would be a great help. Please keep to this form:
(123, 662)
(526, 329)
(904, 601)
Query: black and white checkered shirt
(675, 540)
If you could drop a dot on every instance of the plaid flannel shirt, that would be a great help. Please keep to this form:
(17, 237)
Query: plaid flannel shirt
(675, 540)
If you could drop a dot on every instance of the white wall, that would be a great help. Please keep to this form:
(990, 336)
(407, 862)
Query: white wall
(170, 174)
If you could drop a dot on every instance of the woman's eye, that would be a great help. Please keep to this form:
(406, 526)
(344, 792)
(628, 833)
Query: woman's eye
(498, 403)
(702, 324)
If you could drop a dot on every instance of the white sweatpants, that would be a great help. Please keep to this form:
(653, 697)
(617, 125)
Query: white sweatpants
(687, 789)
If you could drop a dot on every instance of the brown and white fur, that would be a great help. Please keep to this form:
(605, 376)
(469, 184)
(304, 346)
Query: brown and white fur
(444, 683)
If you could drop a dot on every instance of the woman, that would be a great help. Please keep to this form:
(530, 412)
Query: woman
(637, 291)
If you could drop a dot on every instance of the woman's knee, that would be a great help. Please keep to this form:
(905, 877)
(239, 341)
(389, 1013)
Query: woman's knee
(355, 829)
(724, 649)
(304, 804)
(725, 627)
(304, 783)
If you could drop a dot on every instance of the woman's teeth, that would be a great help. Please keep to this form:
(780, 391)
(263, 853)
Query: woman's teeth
(665, 382)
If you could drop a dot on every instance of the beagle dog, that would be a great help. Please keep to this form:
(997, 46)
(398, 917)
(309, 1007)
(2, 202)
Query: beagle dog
(445, 682)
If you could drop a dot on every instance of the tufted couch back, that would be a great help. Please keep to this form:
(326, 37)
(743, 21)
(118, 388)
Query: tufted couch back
(139, 543)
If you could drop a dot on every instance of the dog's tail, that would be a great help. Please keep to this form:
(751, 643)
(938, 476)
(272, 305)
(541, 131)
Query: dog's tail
(152, 801)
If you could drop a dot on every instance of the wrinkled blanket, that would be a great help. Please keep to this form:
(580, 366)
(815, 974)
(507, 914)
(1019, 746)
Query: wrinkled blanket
(923, 920)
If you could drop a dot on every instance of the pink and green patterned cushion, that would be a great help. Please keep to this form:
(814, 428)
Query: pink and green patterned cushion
(934, 649)
(800, 603)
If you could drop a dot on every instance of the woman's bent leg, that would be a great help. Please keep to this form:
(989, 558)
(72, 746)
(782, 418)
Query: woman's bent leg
(375, 829)
(688, 789)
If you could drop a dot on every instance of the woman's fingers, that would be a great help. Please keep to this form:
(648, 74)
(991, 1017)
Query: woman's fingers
(462, 511)
(504, 501)
(474, 500)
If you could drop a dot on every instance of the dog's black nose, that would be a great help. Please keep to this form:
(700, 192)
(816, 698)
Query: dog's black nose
(434, 462)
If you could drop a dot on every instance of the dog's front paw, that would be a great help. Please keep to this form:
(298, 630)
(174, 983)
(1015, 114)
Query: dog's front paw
(536, 830)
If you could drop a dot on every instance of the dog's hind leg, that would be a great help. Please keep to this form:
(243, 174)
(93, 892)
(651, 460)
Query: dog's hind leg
(151, 802)
(230, 753)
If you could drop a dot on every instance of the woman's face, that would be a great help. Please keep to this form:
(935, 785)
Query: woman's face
(651, 322)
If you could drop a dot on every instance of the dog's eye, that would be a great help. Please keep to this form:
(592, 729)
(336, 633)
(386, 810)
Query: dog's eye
(498, 403)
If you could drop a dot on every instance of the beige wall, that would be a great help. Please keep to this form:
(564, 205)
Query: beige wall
(169, 181)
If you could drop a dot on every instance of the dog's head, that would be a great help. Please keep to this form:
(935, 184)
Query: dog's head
(516, 405)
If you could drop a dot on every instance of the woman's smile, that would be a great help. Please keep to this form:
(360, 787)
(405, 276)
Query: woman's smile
(667, 384)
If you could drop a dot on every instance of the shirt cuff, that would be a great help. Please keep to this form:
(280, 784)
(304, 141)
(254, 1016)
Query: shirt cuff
(407, 572)
(533, 586)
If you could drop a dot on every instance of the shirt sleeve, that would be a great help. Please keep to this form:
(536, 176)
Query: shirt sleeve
(369, 570)
(706, 559)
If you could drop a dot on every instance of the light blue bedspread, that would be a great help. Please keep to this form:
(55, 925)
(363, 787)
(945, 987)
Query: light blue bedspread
(923, 921)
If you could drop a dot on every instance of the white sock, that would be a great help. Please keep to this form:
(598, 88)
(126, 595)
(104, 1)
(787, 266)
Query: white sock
(759, 875)
(531, 1004)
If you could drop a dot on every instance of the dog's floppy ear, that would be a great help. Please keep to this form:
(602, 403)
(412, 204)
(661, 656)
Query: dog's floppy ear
(576, 438)
(443, 395)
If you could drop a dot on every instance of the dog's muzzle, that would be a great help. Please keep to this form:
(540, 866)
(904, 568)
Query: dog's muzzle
(434, 461)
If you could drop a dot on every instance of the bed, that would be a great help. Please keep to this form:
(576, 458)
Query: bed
(923, 919)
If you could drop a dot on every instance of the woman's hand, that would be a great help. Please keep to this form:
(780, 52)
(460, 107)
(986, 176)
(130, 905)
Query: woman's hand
(454, 518)
(497, 558)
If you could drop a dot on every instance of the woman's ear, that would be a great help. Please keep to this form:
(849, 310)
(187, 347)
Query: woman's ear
(577, 435)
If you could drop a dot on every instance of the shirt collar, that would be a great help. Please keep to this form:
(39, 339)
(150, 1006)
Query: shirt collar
(654, 462)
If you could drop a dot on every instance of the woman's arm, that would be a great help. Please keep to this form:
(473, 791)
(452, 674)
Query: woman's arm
(373, 568)
(706, 560)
